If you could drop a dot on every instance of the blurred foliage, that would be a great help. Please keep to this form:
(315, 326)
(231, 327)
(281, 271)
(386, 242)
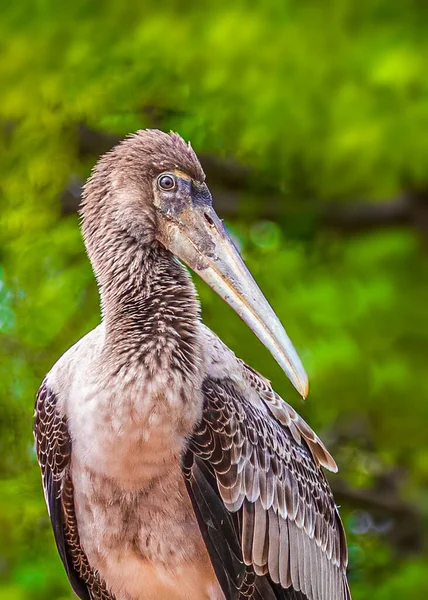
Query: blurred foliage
(324, 102)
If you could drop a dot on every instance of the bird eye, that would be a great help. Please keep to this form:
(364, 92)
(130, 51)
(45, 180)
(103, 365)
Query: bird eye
(166, 182)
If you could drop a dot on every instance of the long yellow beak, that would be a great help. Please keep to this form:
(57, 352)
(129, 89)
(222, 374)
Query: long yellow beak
(198, 237)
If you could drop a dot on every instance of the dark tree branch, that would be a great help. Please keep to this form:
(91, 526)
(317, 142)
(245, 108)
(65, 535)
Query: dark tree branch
(359, 216)
(383, 501)
(230, 181)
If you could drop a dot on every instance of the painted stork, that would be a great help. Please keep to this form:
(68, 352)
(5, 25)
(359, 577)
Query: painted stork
(172, 470)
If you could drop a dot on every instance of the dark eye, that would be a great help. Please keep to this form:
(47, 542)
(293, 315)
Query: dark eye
(166, 182)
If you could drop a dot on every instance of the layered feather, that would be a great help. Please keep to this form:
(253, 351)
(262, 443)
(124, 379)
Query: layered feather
(53, 447)
(267, 467)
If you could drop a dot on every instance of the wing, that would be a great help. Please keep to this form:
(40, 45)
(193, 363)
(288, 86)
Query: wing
(265, 509)
(53, 447)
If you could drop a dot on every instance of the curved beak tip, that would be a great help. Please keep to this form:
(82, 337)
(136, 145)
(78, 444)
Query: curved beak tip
(293, 367)
(304, 388)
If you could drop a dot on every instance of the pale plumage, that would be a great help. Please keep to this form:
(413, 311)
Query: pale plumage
(170, 468)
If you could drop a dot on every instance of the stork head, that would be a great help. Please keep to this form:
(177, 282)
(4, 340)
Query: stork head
(152, 188)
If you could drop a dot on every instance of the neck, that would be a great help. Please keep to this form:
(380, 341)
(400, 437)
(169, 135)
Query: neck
(149, 308)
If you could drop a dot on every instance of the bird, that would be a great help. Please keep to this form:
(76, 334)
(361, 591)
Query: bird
(170, 468)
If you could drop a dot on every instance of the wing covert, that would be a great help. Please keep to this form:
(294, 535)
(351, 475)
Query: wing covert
(53, 448)
(266, 462)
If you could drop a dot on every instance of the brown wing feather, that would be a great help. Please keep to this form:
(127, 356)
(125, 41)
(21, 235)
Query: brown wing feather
(267, 467)
(53, 447)
(286, 415)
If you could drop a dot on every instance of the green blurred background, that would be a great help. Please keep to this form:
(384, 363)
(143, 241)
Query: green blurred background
(311, 118)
